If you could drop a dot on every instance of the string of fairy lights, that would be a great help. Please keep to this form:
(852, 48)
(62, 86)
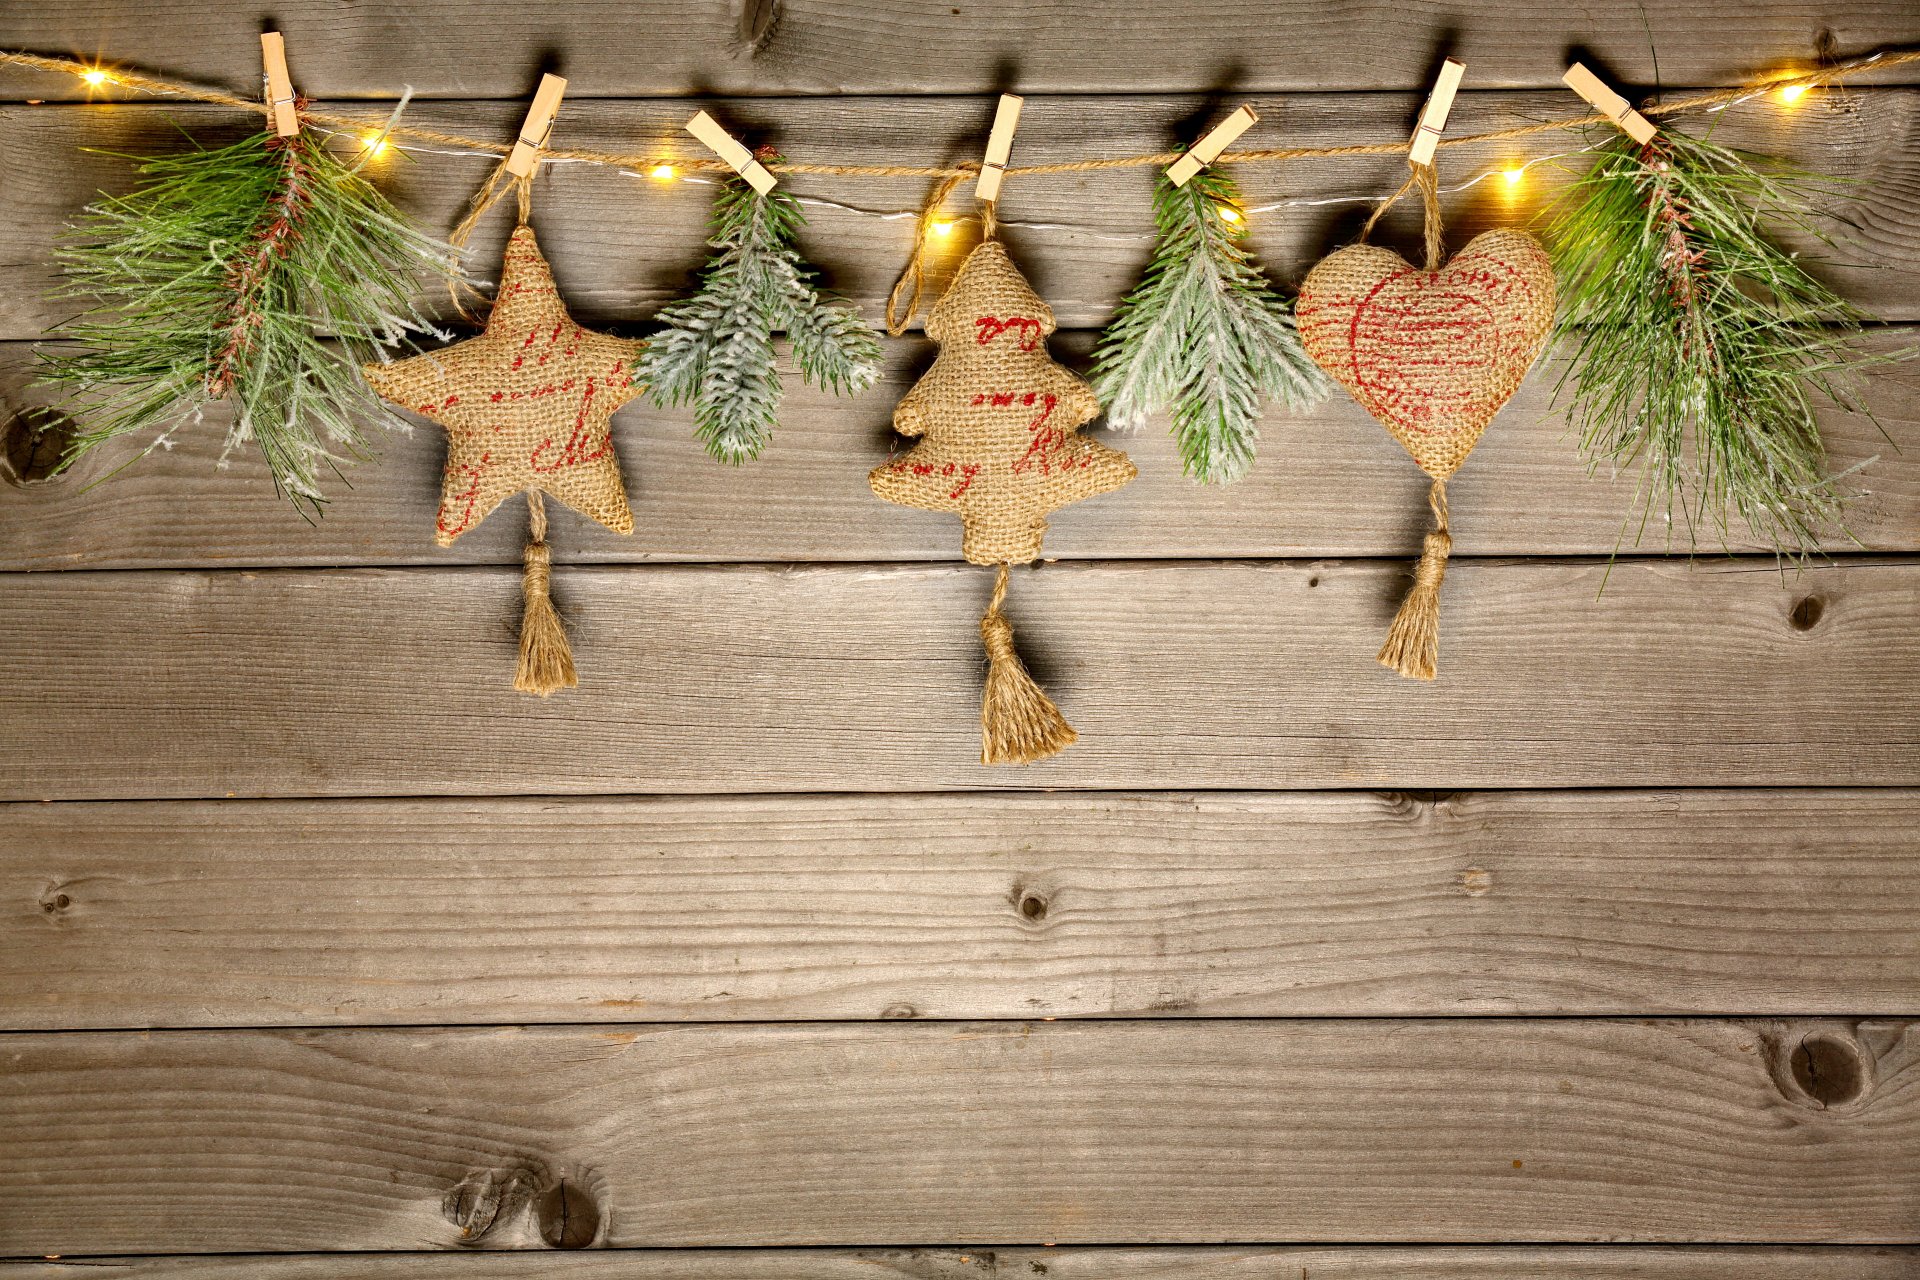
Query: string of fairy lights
(379, 141)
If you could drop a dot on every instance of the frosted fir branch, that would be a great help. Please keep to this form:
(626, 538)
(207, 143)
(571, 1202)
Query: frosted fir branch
(716, 351)
(1204, 335)
(1700, 347)
(220, 278)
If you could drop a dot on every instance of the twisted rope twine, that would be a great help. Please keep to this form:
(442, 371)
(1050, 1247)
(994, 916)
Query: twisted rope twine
(960, 169)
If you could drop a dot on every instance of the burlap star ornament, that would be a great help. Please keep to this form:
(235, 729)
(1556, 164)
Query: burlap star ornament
(527, 406)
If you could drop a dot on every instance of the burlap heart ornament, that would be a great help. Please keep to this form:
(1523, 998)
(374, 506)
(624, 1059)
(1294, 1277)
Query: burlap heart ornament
(997, 422)
(1432, 354)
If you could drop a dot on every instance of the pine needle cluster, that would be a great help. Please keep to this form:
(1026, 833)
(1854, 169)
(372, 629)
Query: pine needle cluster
(221, 277)
(717, 350)
(1203, 334)
(1700, 346)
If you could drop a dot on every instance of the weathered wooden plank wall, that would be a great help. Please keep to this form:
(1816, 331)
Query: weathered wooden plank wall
(317, 940)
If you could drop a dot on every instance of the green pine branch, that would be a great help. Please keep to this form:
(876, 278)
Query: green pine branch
(1701, 348)
(1203, 334)
(220, 277)
(717, 350)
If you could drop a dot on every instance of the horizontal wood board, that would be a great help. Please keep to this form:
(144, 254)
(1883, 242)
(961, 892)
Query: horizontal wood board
(985, 906)
(1167, 911)
(1167, 1262)
(622, 244)
(1468, 1131)
(1179, 675)
(493, 48)
(1327, 483)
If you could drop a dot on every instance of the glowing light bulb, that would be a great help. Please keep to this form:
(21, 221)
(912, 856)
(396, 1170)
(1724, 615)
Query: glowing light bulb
(376, 143)
(95, 77)
(1229, 214)
(1792, 92)
(1515, 176)
(664, 172)
(943, 228)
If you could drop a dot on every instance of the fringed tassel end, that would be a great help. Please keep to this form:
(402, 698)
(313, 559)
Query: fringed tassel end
(1413, 641)
(1019, 723)
(546, 659)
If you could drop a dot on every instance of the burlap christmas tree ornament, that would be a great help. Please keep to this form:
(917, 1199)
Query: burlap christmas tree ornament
(1432, 354)
(527, 406)
(997, 423)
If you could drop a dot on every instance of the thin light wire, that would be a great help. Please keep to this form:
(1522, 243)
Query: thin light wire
(1718, 99)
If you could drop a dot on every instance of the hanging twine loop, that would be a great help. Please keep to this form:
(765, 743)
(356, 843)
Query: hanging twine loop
(904, 301)
(491, 192)
(1019, 723)
(1424, 178)
(546, 659)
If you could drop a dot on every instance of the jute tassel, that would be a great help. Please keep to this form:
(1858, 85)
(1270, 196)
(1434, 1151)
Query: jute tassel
(1019, 723)
(1413, 641)
(546, 659)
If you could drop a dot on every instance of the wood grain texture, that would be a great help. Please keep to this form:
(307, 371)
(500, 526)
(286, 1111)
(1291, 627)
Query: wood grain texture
(1185, 675)
(233, 913)
(1454, 1130)
(622, 245)
(492, 48)
(1328, 483)
(1165, 1262)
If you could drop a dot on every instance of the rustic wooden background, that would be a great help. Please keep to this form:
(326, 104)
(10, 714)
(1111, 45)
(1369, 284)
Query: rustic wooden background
(1596, 958)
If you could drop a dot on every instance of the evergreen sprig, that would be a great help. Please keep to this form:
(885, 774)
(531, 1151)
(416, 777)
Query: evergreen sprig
(221, 277)
(1699, 344)
(717, 351)
(1204, 334)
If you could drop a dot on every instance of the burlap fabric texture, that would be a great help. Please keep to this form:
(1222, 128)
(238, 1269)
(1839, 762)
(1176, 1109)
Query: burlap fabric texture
(997, 419)
(527, 404)
(1434, 354)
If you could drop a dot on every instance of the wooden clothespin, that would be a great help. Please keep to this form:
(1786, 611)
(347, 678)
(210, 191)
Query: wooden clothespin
(1609, 104)
(729, 149)
(1006, 118)
(539, 124)
(273, 52)
(1433, 120)
(1208, 149)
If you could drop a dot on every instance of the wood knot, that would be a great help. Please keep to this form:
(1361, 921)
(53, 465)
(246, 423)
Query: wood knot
(900, 1010)
(1806, 614)
(483, 1200)
(754, 23)
(1031, 902)
(568, 1215)
(1822, 1067)
(55, 903)
(35, 442)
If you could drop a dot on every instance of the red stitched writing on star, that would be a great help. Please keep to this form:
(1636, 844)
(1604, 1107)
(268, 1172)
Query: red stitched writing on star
(469, 495)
